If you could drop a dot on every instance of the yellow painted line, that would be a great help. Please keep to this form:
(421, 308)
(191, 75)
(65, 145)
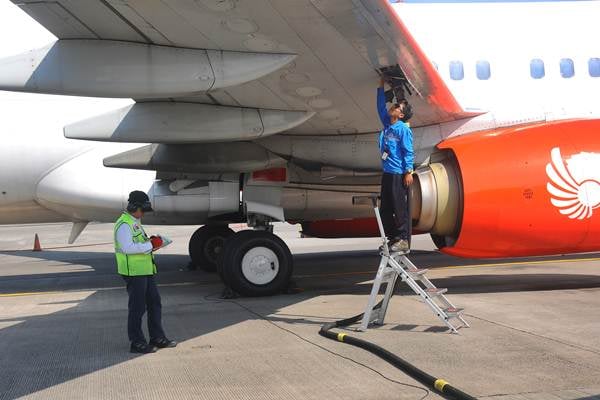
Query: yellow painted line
(104, 289)
(56, 247)
(26, 294)
(505, 264)
(432, 269)
(334, 275)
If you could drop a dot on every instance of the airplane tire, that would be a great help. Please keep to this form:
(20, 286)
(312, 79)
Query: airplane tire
(238, 236)
(206, 244)
(256, 263)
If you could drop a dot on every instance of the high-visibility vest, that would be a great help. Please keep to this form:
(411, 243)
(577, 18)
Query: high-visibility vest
(133, 264)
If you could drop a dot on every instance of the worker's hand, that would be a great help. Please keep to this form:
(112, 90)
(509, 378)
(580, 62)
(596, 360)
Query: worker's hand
(381, 81)
(156, 242)
(408, 179)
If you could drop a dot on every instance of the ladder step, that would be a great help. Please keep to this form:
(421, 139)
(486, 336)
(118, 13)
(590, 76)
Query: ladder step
(435, 291)
(418, 273)
(453, 312)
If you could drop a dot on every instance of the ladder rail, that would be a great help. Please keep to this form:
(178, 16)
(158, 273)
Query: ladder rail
(374, 293)
(391, 285)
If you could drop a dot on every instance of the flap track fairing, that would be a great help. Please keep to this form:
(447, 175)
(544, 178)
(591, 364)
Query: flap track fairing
(108, 68)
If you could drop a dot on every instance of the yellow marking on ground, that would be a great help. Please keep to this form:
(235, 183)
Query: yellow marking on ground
(335, 274)
(491, 265)
(103, 289)
(26, 294)
(505, 264)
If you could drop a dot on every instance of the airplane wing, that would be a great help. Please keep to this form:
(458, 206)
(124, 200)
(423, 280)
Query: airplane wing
(339, 44)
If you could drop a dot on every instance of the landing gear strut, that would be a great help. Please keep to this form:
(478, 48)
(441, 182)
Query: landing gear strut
(206, 245)
(256, 263)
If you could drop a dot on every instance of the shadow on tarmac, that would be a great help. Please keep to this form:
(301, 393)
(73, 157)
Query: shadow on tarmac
(42, 351)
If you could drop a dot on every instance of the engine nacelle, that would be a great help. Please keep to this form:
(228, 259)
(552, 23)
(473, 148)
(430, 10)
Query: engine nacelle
(526, 190)
(81, 189)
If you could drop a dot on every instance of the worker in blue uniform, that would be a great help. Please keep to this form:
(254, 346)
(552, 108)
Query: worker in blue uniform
(397, 156)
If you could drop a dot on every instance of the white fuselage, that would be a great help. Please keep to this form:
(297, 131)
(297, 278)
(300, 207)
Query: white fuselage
(509, 36)
(39, 168)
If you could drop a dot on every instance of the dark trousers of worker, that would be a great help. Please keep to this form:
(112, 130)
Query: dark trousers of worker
(394, 206)
(143, 295)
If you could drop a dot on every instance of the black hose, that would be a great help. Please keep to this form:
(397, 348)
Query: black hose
(440, 386)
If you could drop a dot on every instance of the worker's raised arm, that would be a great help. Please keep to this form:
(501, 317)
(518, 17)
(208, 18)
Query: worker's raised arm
(381, 108)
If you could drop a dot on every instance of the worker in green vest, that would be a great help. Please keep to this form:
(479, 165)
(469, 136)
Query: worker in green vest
(135, 263)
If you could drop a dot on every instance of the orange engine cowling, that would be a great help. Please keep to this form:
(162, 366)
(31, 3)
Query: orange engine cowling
(526, 190)
(518, 191)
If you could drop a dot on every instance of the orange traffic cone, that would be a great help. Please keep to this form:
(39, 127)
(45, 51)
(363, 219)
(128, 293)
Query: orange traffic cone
(36, 243)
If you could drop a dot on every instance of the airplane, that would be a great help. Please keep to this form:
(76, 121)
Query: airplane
(261, 111)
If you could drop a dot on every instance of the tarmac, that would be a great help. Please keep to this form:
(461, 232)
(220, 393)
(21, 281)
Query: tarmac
(535, 325)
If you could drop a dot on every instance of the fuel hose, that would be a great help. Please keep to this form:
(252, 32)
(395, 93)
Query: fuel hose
(438, 385)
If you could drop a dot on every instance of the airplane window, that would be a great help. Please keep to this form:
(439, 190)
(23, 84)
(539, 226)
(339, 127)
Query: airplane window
(457, 71)
(483, 70)
(536, 68)
(594, 67)
(567, 68)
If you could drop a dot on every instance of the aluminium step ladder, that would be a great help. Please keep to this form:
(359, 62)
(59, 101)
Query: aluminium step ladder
(397, 265)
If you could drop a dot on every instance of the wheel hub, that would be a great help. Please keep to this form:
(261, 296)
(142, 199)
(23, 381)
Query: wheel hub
(260, 265)
(213, 247)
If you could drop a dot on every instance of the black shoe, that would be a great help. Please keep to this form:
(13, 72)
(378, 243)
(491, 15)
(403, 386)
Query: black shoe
(163, 343)
(142, 348)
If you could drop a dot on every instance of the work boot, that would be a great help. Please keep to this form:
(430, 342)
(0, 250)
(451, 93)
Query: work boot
(388, 243)
(400, 246)
(163, 343)
(142, 348)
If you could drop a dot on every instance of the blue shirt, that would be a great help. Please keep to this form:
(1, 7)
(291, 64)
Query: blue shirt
(395, 139)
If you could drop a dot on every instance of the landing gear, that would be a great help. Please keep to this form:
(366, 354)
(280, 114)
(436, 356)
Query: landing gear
(256, 263)
(206, 244)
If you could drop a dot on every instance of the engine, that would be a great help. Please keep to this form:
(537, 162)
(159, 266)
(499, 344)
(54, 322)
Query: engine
(526, 190)
(518, 191)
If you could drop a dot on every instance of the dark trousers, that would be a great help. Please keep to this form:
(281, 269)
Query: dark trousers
(394, 206)
(143, 295)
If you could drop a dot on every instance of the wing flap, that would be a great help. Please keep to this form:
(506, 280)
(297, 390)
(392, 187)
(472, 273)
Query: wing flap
(58, 20)
(83, 19)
